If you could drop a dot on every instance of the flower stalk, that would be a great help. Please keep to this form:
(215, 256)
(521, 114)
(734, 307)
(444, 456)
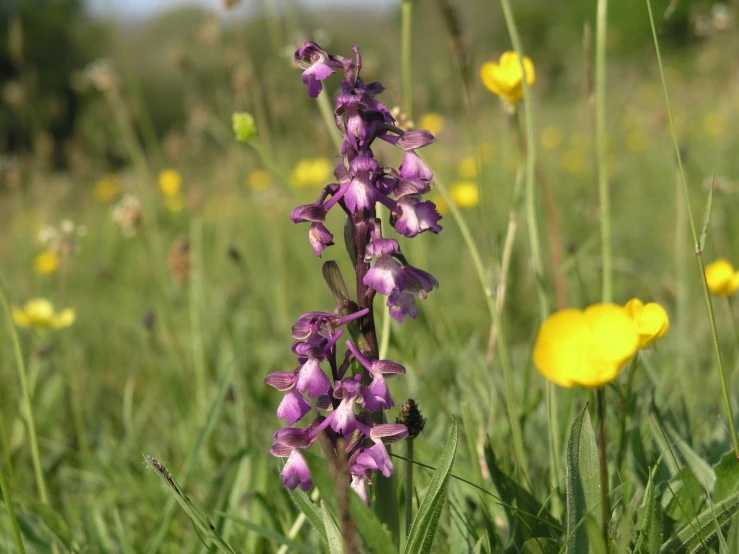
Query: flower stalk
(696, 244)
(352, 397)
(603, 463)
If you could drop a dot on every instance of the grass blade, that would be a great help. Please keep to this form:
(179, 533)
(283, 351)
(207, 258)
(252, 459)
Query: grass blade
(423, 530)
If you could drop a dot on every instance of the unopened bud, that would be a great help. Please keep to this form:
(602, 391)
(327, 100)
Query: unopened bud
(245, 128)
(410, 416)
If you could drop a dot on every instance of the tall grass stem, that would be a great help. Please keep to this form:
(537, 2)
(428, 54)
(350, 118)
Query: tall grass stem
(604, 194)
(605, 503)
(497, 318)
(696, 244)
(11, 512)
(406, 43)
(26, 397)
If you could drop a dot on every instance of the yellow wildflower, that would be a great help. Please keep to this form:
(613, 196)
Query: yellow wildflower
(585, 347)
(433, 122)
(260, 179)
(722, 278)
(108, 188)
(552, 137)
(465, 194)
(468, 168)
(651, 320)
(505, 77)
(38, 313)
(47, 263)
(170, 182)
(312, 172)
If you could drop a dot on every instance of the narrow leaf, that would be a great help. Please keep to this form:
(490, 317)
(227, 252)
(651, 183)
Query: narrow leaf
(583, 482)
(683, 498)
(649, 521)
(541, 546)
(335, 542)
(423, 530)
(700, 533)
(311, 511)
(707, 215)
(335, 281)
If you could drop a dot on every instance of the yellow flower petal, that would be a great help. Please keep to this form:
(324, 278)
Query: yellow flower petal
(465, 194)
(587, 348)
(433, 122)
(505, 78)
(65, 318)
(21, 318)
(47, 263)
(651, 320)
(170, 182)
(720, 278)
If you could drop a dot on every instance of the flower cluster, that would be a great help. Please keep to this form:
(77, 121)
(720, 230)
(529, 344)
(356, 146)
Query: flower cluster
(722, 278)
(590, 347)
(349, 405)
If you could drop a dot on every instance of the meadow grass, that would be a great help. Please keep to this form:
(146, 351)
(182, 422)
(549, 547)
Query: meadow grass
(171, 369)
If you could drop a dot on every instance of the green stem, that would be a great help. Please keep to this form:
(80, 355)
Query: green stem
(408, 485)
(11, 512)
(26, 397)
(530, 153)
(195, 305)
(605, 502)
(625, 414)
(406, 18)
(327, 114)
(497, 321)
(600, 144)
(269, 162)
(696, 243)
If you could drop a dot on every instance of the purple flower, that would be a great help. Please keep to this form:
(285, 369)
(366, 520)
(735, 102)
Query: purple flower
(293, 407)
(319, 238)
(413, 167)
(296, 472)
(358, 485)
(376, 457)
(309, 212)
(402, 304)
(417, 217)
(312, 379)
(315, 61)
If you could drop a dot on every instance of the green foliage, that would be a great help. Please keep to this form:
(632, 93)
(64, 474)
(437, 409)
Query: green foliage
(583, 482)
(423, 530)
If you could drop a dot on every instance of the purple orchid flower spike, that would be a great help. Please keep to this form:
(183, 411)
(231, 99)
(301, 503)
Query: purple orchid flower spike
(348, 387)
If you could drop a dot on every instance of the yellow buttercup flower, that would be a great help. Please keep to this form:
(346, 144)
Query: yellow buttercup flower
(260, 179)
(652, 321)
(468, 168)
(587, 348)
(38, 313)
(433, 122)
(47, 263)
(722, 278)
(170, 182)
(312, 172)
(108, 188)
(505, 77)
(465, 194)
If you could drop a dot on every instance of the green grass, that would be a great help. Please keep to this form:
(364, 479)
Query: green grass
(189, 390)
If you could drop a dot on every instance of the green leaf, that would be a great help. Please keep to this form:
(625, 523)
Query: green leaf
(53, 521)
(732, 540)
(527, 518)
(270, 534)
(649, 520)
(583, 482)
(423, 530)
(683, 497)
(541, 546)
(700, 468)
(335, 281)
(386, 503)
(310, 510)
(727, 476)
(200, 521)
(373, 534)
(335, 542)
(594, 531)
(699, 534)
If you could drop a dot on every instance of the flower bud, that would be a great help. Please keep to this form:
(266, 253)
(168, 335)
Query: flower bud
(244, 126)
